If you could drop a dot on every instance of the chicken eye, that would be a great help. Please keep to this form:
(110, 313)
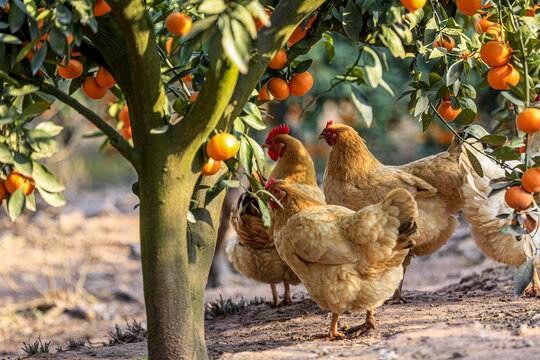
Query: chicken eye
(275, 191)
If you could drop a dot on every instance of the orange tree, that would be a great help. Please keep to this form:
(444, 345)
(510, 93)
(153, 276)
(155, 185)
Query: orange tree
(149, 54)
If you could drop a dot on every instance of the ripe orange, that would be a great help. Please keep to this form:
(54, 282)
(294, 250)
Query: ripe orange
(187, 78)
(15, 180)
(168, 46)
(482, 24)
(499, 76)
(517, 198)
(211, 167)
(75, 53)
(279, 61)
(495, 53)
(105, 79)
(447, 42)
(72, 70)
(530, 12)
(91, 88)
(178, 23)
(278, 88)
(258, 23)
(123, 116)
(301, 83)
(222, 146)
(529, 121)
(194, 96)
(298, 34)
(495, 30)
(3, 191)
(530, 181)
(101, 8)
(263, 94)
(446, 111)
(470, 7)
(413, 5)
(126, 132)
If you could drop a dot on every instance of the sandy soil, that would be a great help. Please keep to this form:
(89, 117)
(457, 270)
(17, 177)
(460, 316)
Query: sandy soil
(75, 273)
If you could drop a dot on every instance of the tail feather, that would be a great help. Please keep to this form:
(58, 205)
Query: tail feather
(407, 215)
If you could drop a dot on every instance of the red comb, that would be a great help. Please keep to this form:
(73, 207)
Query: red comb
(269, 183)
(331, 122)
(281, 129)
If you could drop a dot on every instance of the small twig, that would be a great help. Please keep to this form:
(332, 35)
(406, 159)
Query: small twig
(185, 93)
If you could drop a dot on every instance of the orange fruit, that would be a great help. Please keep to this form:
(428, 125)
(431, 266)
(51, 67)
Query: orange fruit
(517, 198)
(470, 7)
(101, 8)
(482, 24)
(495, 53)
(279, 61)
(446, 111)
(15, 180)
(258, 23)
(263, 94)
(72, 70)
(211, 167)
(413, 5)
(530, 12)
(300, 83)
(178, 23)
(495, 30)
(91, 88)
(499, 76)
(222, 146)
(187, 78)
(6, 8)
(75, 53)
(530, 181)
(529, 121)
(3, 191)
(194, 96)
(123, 116)
(298, 34)
(126, 132)
(168, 46)
(447, 42)
(278, 88)
(105, 79)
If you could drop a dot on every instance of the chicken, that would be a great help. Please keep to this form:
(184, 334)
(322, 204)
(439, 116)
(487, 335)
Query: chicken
(354, 178)
(347, 260)
(481, 212)
(253, 252)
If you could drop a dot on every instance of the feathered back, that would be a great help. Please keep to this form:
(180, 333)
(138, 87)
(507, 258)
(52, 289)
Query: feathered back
(247, 222)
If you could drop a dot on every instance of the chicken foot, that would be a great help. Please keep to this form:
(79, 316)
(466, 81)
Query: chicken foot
(287, 300)
(274, 295)
(334, 334)
(398, 297)
(365, 327)
(533, 289)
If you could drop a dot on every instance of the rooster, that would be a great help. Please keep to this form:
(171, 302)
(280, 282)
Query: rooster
(253, 252)
(354, 178)
(347, 260)
(481, 211)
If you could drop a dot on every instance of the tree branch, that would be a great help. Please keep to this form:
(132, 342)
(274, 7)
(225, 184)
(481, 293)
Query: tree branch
(116, 139)
(284, 19)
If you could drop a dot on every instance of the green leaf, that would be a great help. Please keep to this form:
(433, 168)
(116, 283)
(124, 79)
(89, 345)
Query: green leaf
(364, 107)
(373, 67)
(426, 120)
(41, 142)
(46, 180)
(23, 164)
(244, 16)
(246, 156)
(198, 27)
(505, 153)
(494, 140)
(160, 130)
(233, 49)
(434, 77)
(16, 204)
(523, 277)
(191, 217)
(475, 163)
(35, 109)
(24, 90)
(512, 98)
(476, 130)
(421, 106)
(257, 152)
(351, 20)
(5, 154)
(466, 117)
(16, 19)
(53, 199)
(38, 58)
(10, 39)
(302, 66)
(57, 40)
(31, 201)
(454, 72)
(62, 14)
(49, 127)
(329, 46)
(265, 212)
(393, 42)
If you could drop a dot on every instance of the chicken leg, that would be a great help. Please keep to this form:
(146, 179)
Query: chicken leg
(365, 327)
(287, 295)
(274, 295)
(334, 334)
(398, 297)
(533, 289)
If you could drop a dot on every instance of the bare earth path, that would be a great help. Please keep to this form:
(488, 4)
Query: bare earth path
(76, 273)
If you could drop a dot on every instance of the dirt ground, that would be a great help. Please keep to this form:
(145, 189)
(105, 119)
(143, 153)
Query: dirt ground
(75, 273)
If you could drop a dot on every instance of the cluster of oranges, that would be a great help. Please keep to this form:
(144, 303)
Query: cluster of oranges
(220, 147)
(14, 181)
(521, 197)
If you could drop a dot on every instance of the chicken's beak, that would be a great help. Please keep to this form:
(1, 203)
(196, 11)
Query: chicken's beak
(265, 145)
